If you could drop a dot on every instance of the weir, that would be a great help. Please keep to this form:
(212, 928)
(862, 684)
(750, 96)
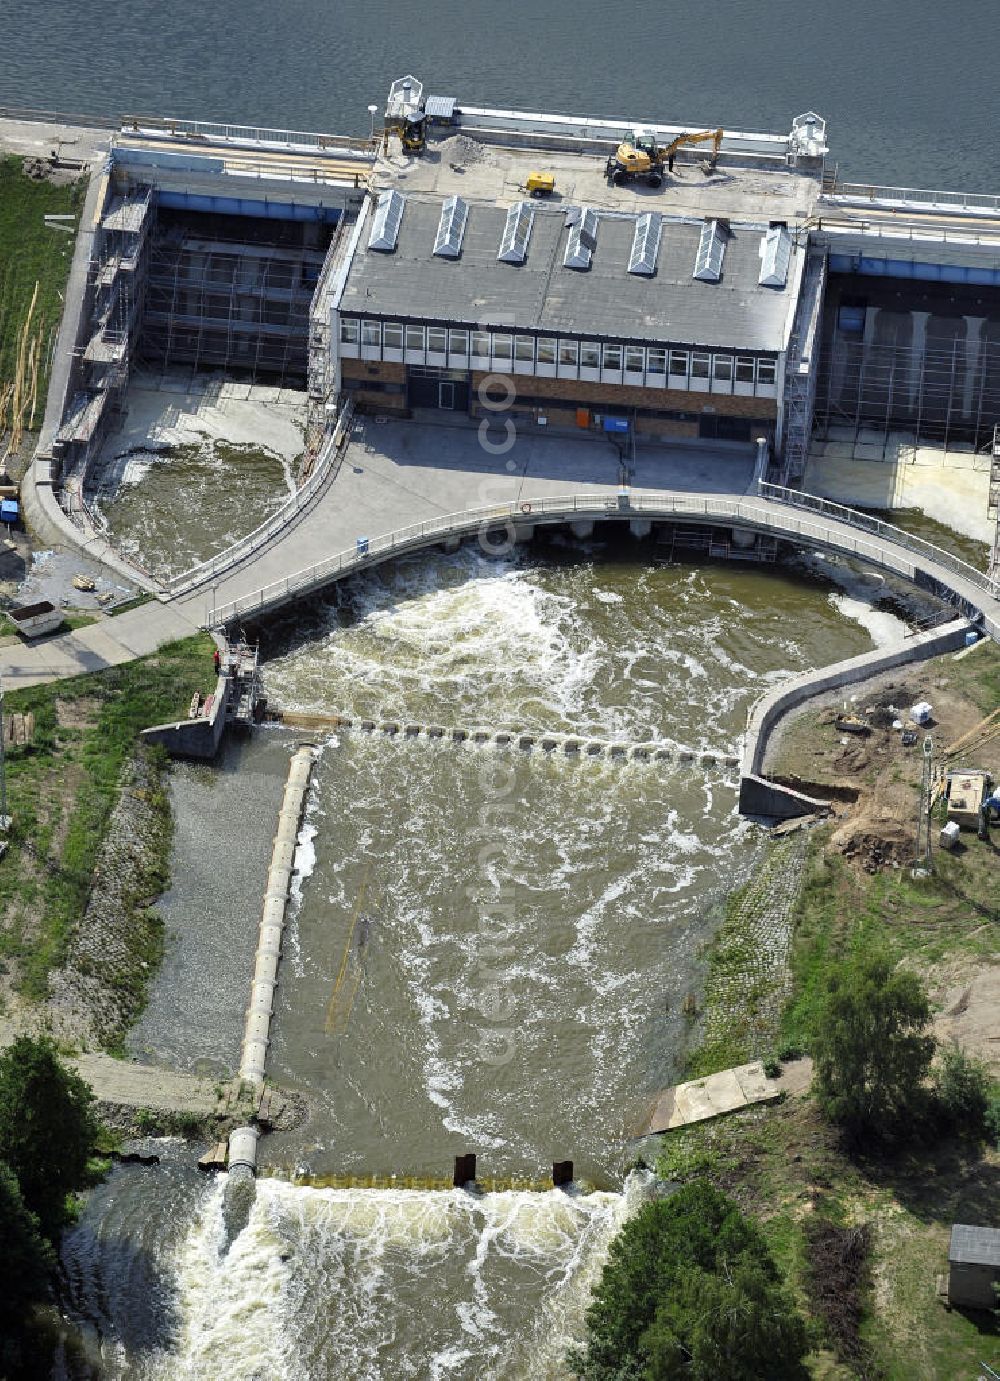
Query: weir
(570, 745)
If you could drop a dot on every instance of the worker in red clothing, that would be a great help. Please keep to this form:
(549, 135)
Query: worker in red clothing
(216, 661)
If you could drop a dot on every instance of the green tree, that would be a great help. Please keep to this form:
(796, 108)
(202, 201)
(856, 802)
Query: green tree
(25, 1262)
(710, 1327)
(871, 1048)
(47, 1127)
(690, 1289)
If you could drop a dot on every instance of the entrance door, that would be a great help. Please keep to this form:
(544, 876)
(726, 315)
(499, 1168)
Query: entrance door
(446, 395)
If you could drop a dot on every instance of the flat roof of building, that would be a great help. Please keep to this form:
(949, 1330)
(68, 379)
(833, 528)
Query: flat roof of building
(974, 1246)
(465, 166)
(543, 295)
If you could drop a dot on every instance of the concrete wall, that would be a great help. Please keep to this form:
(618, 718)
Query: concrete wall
(194, 738)
(257, 1031)
(758, 796)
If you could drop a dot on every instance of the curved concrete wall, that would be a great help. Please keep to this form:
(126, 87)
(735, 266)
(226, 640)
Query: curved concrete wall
(758, 796)
(256, 1036)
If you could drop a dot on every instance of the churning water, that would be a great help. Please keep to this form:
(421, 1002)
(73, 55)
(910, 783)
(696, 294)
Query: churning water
(489, 952)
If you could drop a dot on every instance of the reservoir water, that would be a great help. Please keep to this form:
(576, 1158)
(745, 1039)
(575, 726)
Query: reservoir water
(489, 952)
(896, 81)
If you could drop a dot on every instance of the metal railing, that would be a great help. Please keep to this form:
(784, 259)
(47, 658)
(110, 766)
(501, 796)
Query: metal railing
(982, 202)
(888, 531)
(742, 512)
(242, 134)
(57, 117)
(296, 504)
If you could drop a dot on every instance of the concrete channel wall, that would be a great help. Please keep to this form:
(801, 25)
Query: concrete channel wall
(758, 796)
(199, 737)
(272, 922)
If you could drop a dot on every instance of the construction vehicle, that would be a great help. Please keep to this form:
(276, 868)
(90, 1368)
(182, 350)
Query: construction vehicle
(413, 132)
(639, 157)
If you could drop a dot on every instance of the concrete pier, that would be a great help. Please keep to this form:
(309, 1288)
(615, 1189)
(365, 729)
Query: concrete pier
(272, 922)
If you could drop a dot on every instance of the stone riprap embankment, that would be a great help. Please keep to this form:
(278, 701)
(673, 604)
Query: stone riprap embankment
(101, 988)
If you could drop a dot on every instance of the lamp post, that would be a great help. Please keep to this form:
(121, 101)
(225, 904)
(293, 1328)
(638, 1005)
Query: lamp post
(372, 111)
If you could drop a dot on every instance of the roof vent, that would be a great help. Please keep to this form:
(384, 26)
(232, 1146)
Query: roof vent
(385, 227)
(711, 251)
(517, 233)
(646, 244)
(451, 228)
(582, 240)
(775, 256)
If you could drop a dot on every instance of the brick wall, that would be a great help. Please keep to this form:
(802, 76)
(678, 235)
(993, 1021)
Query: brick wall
(596, 395)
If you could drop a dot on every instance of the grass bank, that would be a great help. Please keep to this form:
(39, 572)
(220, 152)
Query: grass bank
(62, 789)
(30, 252)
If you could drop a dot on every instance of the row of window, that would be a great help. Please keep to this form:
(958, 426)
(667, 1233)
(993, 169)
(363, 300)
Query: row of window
(493, 348)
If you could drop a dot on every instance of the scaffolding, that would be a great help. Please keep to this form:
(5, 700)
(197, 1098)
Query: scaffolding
(320, 375)
(224, 304)
(939, 396)
(114, 300)
(800, 370)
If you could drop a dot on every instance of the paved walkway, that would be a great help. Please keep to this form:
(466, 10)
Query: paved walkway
(94, 648)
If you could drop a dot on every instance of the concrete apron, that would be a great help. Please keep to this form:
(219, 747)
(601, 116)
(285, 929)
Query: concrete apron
(257, 1030)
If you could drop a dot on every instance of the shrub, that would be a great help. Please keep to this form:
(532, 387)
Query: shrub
(962, 1091)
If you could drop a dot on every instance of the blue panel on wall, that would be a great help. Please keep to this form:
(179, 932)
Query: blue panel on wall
(242, 206)
(872, 267)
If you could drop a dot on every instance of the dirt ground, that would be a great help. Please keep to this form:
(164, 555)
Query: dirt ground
(966, 994)
(874, 779)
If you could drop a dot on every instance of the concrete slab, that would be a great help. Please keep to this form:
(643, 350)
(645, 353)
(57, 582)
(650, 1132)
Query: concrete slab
(951, 487)
(699, 1100)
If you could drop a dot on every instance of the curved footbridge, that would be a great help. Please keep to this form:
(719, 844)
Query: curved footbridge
(350, 521)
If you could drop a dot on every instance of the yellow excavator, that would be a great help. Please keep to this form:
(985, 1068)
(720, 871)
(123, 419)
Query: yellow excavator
(639, 156)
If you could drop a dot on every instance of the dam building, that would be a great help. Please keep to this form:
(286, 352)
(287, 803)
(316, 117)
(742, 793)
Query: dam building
(669, 283)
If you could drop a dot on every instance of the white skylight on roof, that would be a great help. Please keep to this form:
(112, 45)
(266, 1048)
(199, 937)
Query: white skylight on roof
(646, 244)
(388, 216)
(775, 256)
(517, 233)
(451, 228)
(582, 240)
(711, 252)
